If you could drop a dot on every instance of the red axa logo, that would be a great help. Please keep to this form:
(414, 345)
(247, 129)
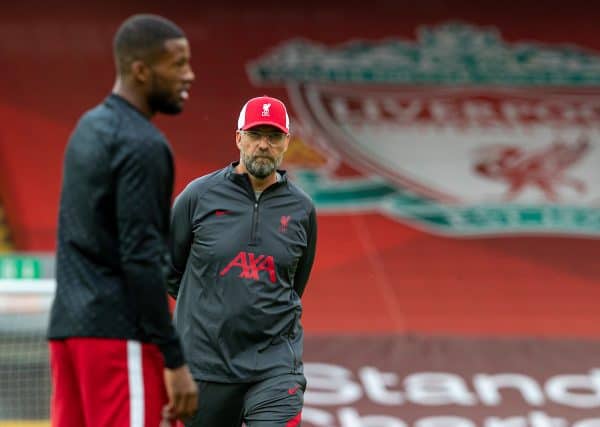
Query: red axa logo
(251, 265)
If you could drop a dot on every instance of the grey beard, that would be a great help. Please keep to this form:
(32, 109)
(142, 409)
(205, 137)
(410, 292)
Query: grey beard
(260, 169)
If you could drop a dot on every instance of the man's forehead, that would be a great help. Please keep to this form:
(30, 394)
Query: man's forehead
(176, 43)
(171, 48)
(176, 46)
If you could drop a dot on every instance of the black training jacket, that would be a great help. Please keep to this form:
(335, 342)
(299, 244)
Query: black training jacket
(113, 230)
(239, 268)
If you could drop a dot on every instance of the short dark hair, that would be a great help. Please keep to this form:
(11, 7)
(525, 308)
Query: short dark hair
(140, 37)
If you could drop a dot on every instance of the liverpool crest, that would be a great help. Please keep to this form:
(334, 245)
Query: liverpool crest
(457, 133)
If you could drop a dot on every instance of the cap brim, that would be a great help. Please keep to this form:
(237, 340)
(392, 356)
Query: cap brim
(265, 122)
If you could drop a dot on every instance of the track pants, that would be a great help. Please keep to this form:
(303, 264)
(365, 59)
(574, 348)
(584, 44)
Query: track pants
(100, 382)
(273, 402)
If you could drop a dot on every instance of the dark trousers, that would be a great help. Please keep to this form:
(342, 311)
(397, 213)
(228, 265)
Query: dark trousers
(273, 402)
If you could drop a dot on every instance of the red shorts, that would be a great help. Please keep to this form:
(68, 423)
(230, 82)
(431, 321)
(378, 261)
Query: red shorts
(100, 382)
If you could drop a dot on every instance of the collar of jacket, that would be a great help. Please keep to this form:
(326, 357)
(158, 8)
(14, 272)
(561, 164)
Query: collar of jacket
(119, 102)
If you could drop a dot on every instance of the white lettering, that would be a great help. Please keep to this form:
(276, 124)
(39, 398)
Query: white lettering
(330, 385)
(494, 110)
(590, 422)
(540, 419)
(431, 388)
(506, 422)
(444, 421)
(334, 385)
(488, 386)
(376, 383)
(568, 390)
(349, 417)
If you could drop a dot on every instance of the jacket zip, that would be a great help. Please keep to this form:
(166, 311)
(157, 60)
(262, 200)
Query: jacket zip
(255, 214)
(254, 223)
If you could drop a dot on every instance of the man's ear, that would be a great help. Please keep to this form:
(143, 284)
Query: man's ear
(238, 139)
(140, 71)
(286, 142)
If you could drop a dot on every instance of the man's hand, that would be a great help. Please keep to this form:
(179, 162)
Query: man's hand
(182, 393)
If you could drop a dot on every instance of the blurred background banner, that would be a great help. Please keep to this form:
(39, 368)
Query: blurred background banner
(451, 382)
(451, 147)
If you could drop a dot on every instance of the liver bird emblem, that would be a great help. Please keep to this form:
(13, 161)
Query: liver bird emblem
(544, 168)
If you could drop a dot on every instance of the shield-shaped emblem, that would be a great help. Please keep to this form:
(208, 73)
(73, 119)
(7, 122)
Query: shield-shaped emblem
(457, 133)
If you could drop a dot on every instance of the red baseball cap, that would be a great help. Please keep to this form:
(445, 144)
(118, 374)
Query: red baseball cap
(264, 110)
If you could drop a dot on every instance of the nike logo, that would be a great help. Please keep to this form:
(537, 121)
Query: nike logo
(293, 390)
(220, 213)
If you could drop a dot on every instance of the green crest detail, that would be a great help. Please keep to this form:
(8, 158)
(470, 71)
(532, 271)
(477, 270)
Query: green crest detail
(454, 53)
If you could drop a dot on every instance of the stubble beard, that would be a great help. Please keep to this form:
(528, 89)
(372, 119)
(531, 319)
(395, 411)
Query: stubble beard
(161, 103)
(161, 100)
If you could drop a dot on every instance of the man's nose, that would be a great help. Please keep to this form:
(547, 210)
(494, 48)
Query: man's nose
(263, 142)
(189, 75)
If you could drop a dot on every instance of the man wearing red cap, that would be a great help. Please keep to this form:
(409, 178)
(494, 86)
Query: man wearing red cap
(242, 248)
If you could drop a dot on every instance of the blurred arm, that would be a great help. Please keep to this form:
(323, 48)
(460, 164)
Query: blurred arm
(140, 206)
(307, 260)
